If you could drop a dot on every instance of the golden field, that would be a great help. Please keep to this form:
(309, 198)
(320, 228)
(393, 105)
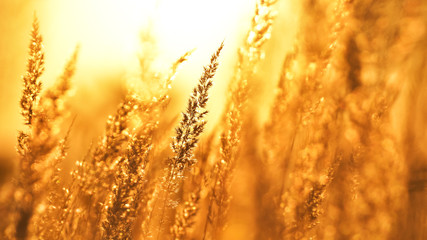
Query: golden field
(259, 119)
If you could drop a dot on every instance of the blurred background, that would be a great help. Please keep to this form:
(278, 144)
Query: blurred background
(113, 35)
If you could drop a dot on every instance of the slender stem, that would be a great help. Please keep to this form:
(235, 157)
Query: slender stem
(172, 173)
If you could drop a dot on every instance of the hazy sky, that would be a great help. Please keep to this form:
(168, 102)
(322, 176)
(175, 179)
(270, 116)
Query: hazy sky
(109, 33)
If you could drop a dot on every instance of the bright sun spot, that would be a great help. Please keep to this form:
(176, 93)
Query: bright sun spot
(109, 31)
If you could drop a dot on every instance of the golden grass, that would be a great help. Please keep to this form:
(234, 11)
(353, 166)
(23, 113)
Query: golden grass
(330, 162)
